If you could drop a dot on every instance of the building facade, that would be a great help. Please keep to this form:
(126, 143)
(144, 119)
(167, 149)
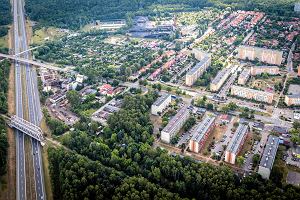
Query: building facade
(160, 104)
(268, 157)
(236, 143)
(175, 124)
(192, 75)
(248, 93)
(297, 7)
(270, 56)
(257, 70)
(220, 79)
(243, 77)
(201, 133)
(292, 99)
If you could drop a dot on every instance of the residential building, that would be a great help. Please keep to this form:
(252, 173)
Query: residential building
(268, 157)
(248, 93)
(220, 79)
(58, 97)
(257, 70)
(243, 77)
(236, 143)
(197, 71)
(199, 54)
(160, 104)
(175, 124)
(298, 70)
(201, 133)
(270, 56)
(293, 99)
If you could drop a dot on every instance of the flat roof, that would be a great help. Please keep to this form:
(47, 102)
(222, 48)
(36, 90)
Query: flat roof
(237, 138)
(294, 96)
(265, 66)
(198, 65)
(245, 73)
(202, 127)
(259, 48)
(269, 153)
(161, 99)
(220, 75)
(259, 92)
(176, 119)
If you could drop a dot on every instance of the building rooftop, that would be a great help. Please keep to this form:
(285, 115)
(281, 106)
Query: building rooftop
(265, 66)
(220, 75)
(269, 153)
(198, 65)
(245, 73)
(161, 99)
(202, 128)
(237, 138)
(176, 119)
(294, 96)
(258, 92)
(259, 48)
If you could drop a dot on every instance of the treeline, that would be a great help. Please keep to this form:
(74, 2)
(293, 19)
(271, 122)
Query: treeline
(122, 163)
(5, 17)
(3, 147)
(74, 13)
(4, 74)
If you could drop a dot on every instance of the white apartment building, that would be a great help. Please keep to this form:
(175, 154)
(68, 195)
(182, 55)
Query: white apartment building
(257, 70)
(268, 157)
(192, 75)
(160, 104)
(175, 124)
(243, 77)
(236, 143)
(248, 93)
(220, 79)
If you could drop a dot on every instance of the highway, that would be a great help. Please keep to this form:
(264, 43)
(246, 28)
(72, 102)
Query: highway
(34, 109)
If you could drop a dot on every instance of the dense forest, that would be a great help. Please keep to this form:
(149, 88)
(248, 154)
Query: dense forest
(5, 16)
(122, 164)
(3, 147)
(4, 74)
(75, 13)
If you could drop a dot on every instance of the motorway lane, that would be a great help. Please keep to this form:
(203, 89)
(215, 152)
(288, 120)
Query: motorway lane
(34, 110)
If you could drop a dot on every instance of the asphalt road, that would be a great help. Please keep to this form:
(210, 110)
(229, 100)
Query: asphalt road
(34, 109)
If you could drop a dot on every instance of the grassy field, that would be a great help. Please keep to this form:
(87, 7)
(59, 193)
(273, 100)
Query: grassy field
(39, 36)
(3, 42)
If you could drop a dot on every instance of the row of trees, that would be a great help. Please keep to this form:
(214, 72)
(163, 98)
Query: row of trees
(3, 147)
(137, 170)
(5, 15)
(4, 74)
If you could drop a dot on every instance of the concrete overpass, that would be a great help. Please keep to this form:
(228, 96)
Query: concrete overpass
(35, 63)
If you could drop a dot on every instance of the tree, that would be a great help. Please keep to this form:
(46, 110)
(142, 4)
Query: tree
(255, 159)
(210, 106)
(240, 161)
(74, 98)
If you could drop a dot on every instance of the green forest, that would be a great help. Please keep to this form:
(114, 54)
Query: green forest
(5, 16)
(122, 164)
(76, 13)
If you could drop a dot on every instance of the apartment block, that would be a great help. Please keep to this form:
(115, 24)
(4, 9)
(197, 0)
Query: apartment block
(220, 79)
(243, 77)
(268, 157)
(270, 56)
(248, 93)
(192, 75)
(175, 124)
(236, 143)
(257, 70)
(201, 133)
(160, 104)
(293, 99)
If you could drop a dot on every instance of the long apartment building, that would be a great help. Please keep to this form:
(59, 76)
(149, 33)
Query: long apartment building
(293, 99)
(243, 77)
(220, 79)
(248, 93)
(201, 133)
(236, 143)
(160, 104)
(192, 75)
(268, 157)
(257, 70)
(175, 124)
(270, 56)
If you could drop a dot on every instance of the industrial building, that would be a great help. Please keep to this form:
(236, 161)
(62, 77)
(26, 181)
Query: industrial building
(201, 133)
(243, 77)
(257, 70)
(160, 104)
(293, 99)
(268, 157)
(220, 79)
(236, 143)
(269, 56)
(192, 75)
(175, 124)
(248, 93)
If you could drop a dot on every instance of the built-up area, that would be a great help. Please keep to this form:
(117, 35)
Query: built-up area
(228, 83)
